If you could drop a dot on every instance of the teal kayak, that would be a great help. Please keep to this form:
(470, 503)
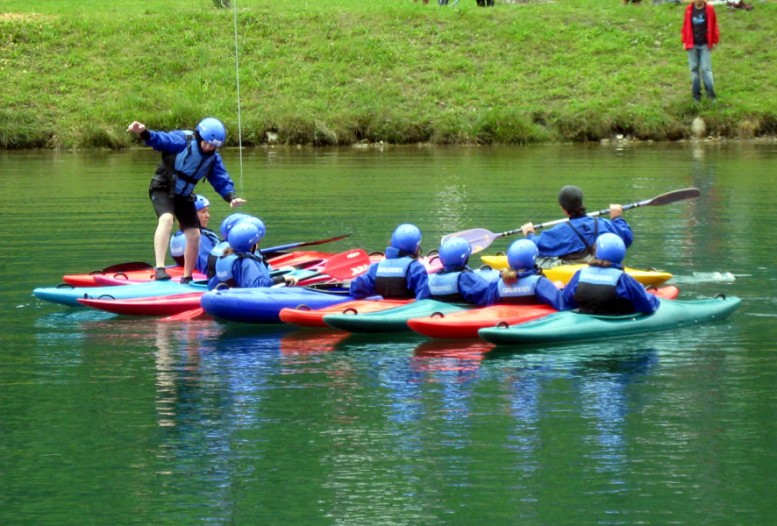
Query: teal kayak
(391, 320)
(572, 326)
(69, 295)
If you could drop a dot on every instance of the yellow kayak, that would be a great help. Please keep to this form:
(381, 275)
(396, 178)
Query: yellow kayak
(563, 273)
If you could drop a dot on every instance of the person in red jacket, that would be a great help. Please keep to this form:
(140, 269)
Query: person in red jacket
(700, 35)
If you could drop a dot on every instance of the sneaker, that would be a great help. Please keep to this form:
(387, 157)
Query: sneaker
(186, 280)
(161, 274)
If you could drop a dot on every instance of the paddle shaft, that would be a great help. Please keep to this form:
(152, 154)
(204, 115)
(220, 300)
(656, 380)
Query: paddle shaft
(282, 248)
(480, 238)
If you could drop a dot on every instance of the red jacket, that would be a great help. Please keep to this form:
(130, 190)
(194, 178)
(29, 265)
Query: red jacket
(713, 32)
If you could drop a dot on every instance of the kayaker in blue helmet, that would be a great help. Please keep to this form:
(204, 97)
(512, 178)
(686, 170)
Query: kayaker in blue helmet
(399, 275)
(218, 250)
(187, 157)
(603, 287)
(208, 238)
(573, 241)
(523, 282)
(456, 282)
(242, 265)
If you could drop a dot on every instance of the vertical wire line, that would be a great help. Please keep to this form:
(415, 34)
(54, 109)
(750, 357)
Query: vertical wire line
(237, 84)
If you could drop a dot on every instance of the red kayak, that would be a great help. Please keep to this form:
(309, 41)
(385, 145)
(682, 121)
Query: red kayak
(465, 324)
(134, 271)
(125, 273)
(305, 317)
(151, 306)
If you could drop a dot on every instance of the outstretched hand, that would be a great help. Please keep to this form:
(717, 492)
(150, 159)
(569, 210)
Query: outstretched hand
(136, 127)
(237, 201)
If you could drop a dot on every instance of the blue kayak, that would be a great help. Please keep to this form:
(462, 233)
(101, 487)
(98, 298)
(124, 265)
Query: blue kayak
(69, 295)
(571, 326)
(391, 320)
(263, 305)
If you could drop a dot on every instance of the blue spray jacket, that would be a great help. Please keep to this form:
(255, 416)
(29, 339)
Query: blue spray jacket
(184, 164)
(563, 239)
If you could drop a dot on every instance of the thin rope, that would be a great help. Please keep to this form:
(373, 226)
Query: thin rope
(237, 83)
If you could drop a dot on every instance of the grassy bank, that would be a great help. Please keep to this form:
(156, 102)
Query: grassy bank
(326, 72)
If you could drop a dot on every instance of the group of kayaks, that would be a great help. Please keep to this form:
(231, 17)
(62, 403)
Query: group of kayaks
(320, 301)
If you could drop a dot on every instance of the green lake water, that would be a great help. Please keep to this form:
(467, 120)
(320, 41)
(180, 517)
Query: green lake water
(118, 420)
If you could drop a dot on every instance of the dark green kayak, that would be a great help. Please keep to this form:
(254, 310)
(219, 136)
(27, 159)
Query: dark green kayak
(391, 320)
(571, 326)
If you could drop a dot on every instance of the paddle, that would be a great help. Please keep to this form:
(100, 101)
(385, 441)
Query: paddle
(344, 265)
(281, 248)
(140, 265)
(480, 238)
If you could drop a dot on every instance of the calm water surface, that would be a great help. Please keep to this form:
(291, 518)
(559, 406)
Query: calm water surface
(115, 420)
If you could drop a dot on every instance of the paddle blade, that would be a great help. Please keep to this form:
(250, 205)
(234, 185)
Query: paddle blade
(347, 265)
(478, 238)
(674, 196)
(193, 314)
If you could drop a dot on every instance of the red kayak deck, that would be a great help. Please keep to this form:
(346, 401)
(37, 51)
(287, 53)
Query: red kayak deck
(465, 324)
(302, 317)
(153, 306)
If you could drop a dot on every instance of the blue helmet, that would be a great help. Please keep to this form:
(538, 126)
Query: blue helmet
(201, 202)
(455, 252)
(521, 254)
(244, 236)
(256, 222)
(610, 247)
(212, 131)
(406, 237)
(177, 244)
(228, 222)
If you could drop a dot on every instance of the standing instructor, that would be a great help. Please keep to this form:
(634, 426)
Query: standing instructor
(187, 157)
(700, 35)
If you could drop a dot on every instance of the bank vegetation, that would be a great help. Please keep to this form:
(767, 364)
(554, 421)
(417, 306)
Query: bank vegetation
(342, 72)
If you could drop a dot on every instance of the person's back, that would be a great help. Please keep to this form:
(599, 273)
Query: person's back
(456, 282)
(242, 266)
(523, 283)
(400, 275)
(573, 241)
(604, 287)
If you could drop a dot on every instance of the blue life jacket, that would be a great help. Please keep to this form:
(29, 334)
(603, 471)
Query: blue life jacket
(391, 278)
(445, 287)
(215, 254)
(519, 293)
(596, 292)
(225, 266)
(191, 164)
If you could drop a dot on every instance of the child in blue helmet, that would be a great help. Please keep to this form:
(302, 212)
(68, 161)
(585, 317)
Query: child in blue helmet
(573, 241)
(208, 238)
(241, 265)
(456, 282)
(523, 283)
(187, 157)
(399, 275)
(604, 288)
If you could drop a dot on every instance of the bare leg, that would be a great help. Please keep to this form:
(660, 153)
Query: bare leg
(192, 250)
(162, 239)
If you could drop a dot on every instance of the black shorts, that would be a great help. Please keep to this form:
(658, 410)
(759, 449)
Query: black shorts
(181, 207)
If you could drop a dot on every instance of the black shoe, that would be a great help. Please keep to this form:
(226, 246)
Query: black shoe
(161, 274)
(186, 280)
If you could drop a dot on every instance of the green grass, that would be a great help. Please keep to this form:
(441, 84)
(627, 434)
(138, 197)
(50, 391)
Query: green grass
(326, 72)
